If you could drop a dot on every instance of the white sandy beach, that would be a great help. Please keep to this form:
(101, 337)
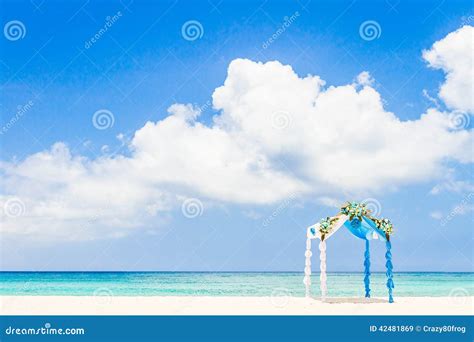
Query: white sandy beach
(115, 305)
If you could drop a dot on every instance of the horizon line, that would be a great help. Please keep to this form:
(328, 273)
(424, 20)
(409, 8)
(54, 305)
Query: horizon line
(302, 272)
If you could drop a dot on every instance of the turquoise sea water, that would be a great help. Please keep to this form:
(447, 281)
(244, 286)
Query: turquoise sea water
(226, 284)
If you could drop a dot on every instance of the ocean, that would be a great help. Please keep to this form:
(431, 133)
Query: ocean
(227, 284)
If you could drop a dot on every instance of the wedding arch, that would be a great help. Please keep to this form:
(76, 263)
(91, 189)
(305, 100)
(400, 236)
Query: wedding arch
(356, 217)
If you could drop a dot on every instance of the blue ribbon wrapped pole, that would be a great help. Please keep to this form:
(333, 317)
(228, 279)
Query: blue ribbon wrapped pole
(367, 269)
(389, 265)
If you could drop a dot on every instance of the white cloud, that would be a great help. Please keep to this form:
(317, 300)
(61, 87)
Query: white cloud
(252, 214)
(437, 215)
(464, 209)
(210, 161)
(76, 198)
(454, 54)
(340, 138)
(277, 136)
(450, 184)
(365, 79)
(330, 202)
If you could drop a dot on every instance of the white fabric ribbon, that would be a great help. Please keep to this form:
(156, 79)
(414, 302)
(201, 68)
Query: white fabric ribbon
(322, 267)
(307, 269)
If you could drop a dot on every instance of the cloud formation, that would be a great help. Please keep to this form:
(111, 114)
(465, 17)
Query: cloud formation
(454, 54)
(276, 135)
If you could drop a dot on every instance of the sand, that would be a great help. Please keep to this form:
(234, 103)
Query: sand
(278, 305)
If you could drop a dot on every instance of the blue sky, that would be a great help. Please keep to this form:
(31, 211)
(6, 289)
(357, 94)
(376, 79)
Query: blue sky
(142, 65)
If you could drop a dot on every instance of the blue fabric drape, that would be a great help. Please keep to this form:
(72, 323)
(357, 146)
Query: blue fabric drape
(367, 269)
(389, 265)
(371, 228)
(366, 229)
(356, 228)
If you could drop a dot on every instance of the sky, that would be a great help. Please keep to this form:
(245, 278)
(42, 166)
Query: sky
(206, 136)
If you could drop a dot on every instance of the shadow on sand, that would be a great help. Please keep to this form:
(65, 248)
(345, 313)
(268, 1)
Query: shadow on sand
(356, 300)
